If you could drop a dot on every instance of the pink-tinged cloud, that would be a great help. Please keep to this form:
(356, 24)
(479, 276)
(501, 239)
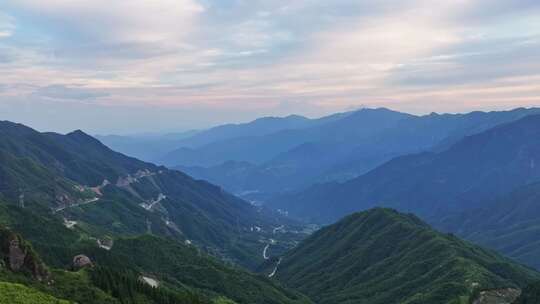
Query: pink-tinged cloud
(235, 60)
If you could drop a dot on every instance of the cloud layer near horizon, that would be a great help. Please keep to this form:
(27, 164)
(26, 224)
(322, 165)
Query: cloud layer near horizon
(129, 66)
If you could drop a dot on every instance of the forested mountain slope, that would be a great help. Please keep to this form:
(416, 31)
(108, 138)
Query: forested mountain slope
(125, 274)
(382, 256)
(76, 180)
(136, 222)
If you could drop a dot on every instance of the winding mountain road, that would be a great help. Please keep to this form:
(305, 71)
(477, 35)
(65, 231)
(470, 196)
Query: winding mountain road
(152, 203)
(265, 256)
(275, 269)
(85, 202)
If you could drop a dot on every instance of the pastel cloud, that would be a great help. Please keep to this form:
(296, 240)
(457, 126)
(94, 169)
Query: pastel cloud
(118, 21)
(234, 60)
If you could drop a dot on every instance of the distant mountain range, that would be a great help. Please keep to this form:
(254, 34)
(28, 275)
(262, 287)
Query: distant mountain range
(259, 127)
(382, 256)
(467, 175)
(259, 148)
(155, 147)
(295, 152)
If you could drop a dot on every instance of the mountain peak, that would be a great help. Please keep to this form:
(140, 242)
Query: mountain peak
(378, 110)
(78, 133)
(387, 213)
(292, 117)
(382, 217)
(82, 137)
(378, 113)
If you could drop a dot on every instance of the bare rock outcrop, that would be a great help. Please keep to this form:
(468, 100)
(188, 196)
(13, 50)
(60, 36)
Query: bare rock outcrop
(18, 256)
(81, 261)
(498, 296)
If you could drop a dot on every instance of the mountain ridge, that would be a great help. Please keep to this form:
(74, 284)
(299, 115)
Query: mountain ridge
(336, 151)
(383, 256)
(474, 170)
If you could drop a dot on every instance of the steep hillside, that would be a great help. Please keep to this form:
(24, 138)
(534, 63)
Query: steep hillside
(20, 294)
(338, 150)
(24, 277)
(510, 225)
(140, 270)
(477, 169)
(17, 255)
(382, 256)
(75, 180)
(179, 265)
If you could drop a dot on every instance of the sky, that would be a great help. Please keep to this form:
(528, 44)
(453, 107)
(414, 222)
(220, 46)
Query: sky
(130, 66)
